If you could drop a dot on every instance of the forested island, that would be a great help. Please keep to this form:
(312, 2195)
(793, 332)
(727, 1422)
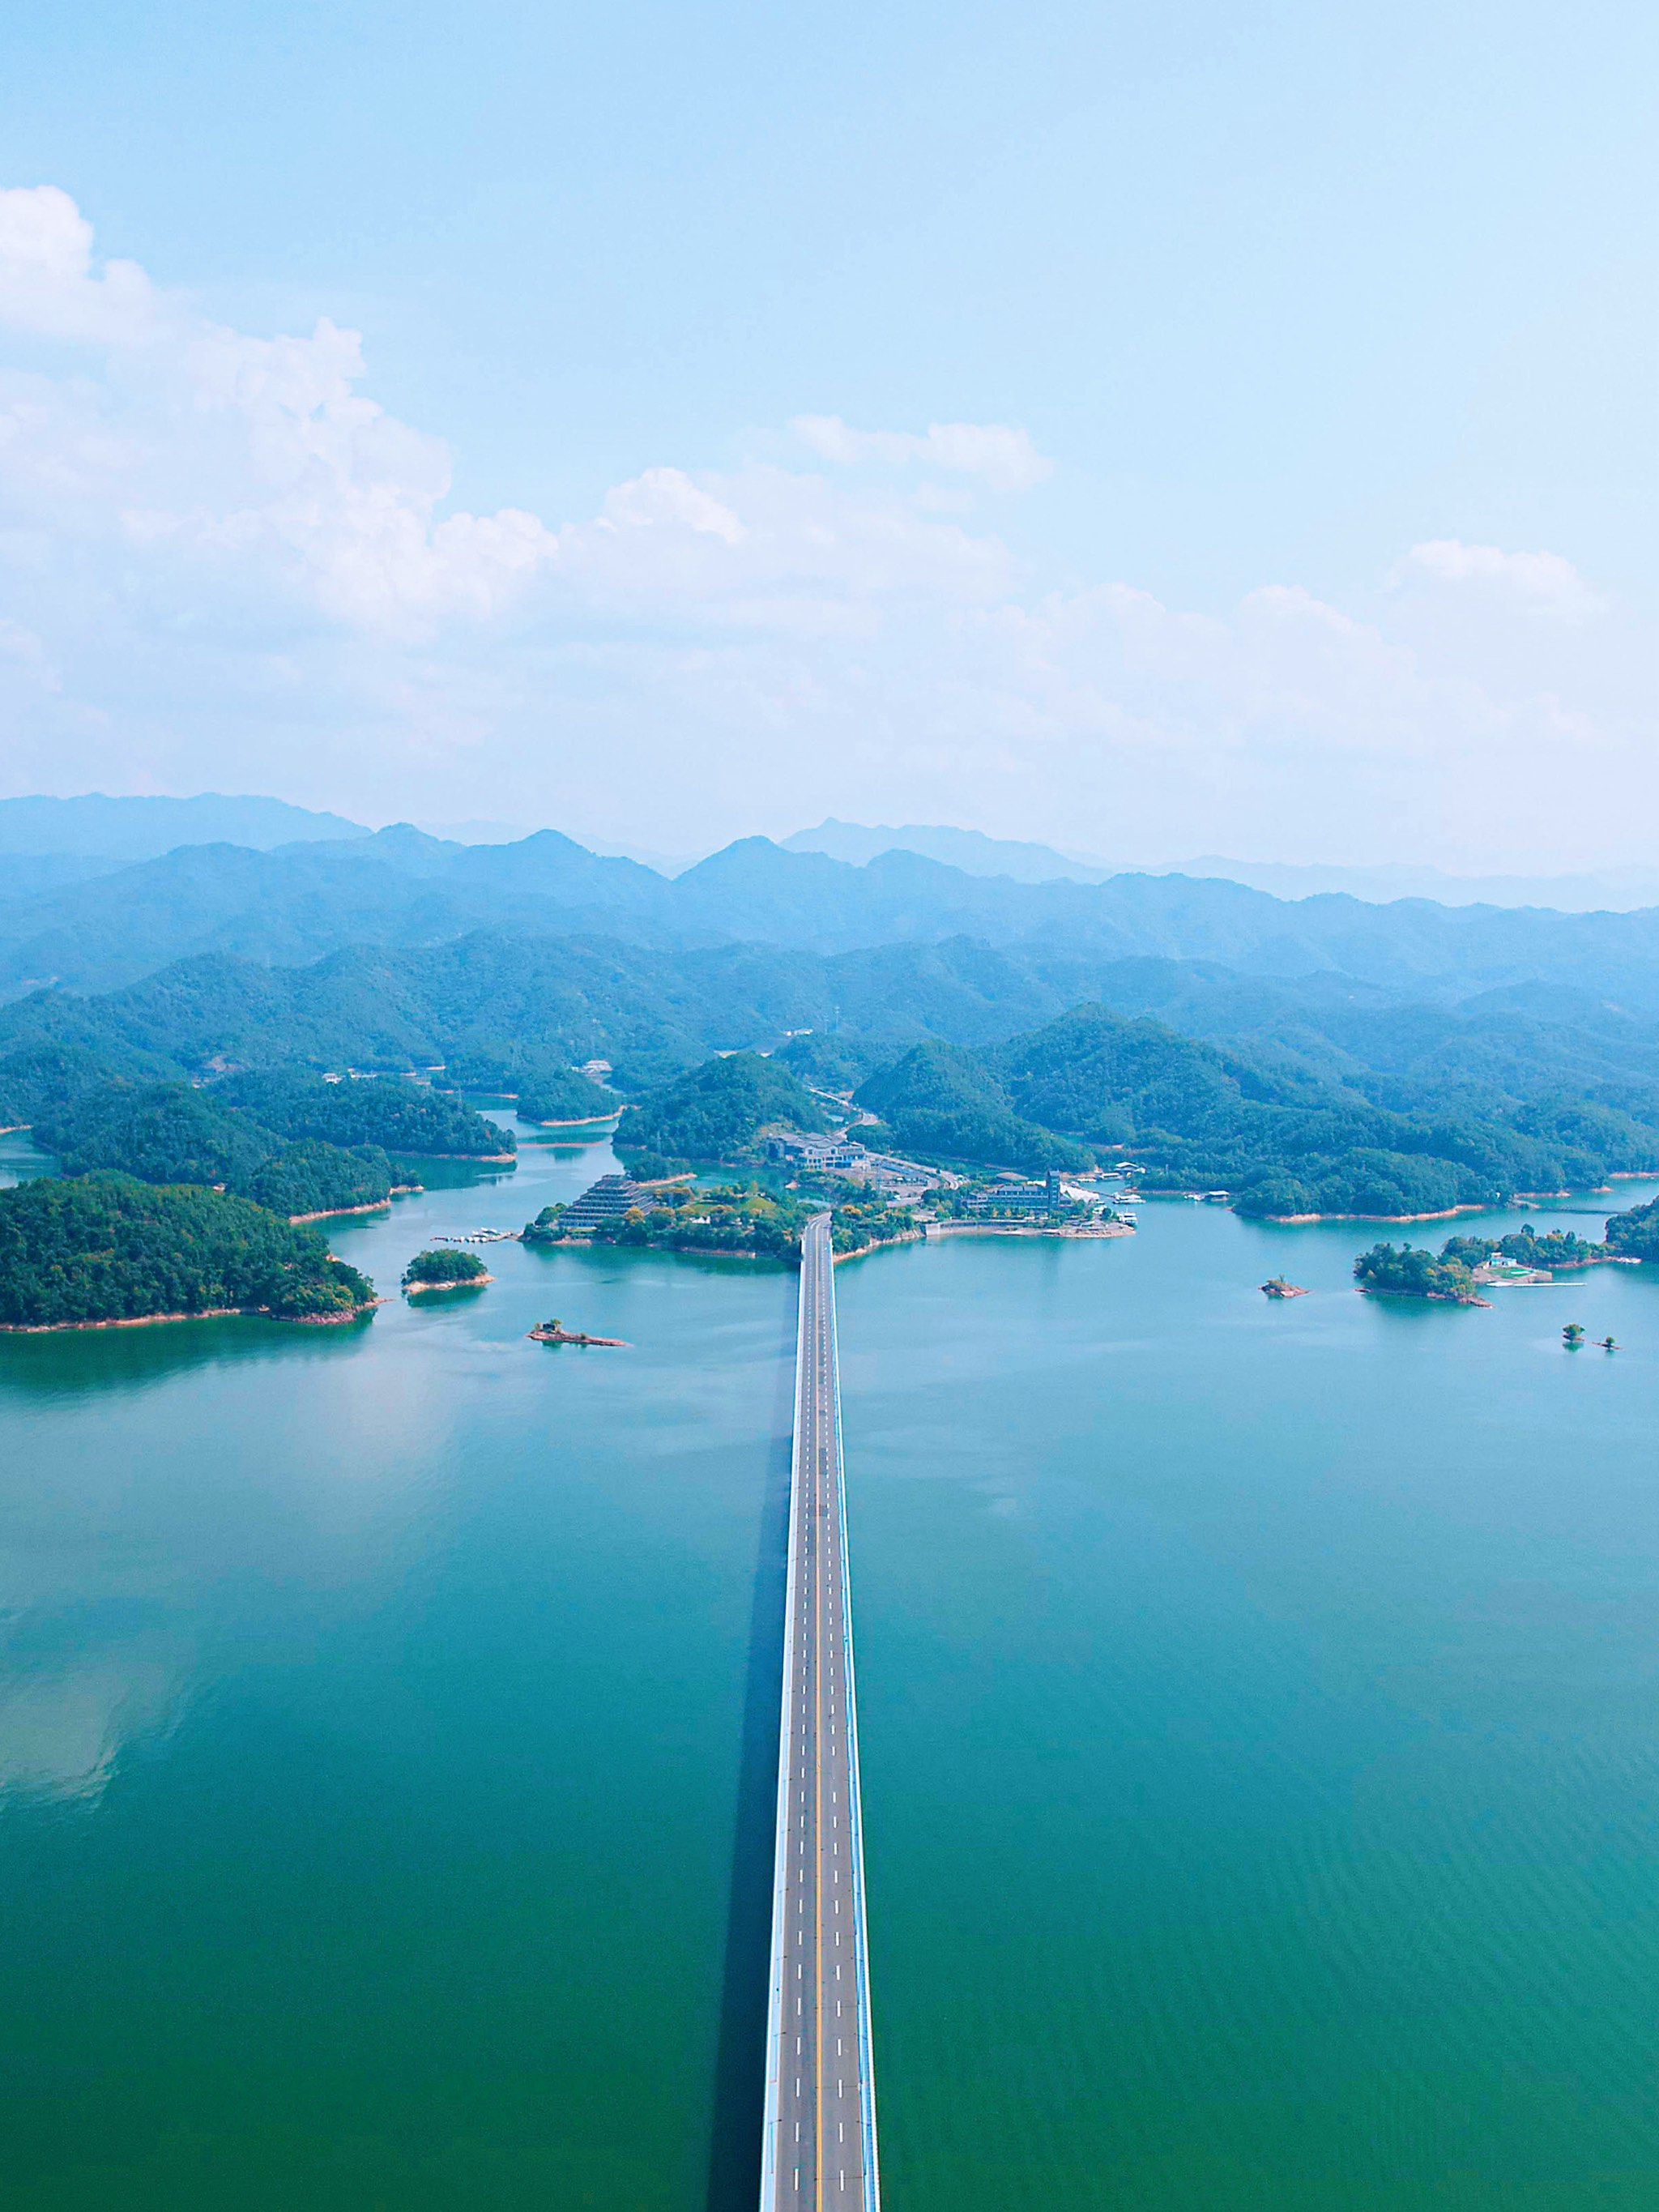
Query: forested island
(1456, 1276)
(1408, 1274)
(739, 1220)
(104, 1247)
(445, 1270)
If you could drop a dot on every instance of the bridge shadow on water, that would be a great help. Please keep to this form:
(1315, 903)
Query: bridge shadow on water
(739, 2101)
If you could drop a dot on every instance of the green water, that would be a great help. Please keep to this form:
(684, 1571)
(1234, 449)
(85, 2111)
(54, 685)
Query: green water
(1259, 1713)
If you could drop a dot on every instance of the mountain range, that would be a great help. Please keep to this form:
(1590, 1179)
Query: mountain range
(298, 903)
(49, 843)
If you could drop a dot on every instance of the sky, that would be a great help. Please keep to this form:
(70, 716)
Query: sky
(1151, 431)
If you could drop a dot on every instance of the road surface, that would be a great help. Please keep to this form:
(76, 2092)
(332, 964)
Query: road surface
(818, 2154)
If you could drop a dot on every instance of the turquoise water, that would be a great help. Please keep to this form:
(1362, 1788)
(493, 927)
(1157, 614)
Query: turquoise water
(1259, 1733)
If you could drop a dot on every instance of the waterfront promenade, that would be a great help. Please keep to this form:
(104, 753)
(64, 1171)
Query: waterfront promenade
(818, 2154)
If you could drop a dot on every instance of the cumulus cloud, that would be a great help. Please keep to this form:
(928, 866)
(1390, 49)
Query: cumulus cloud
(224, 565)
(1543, 580)
(209, 442)
(1001, 457)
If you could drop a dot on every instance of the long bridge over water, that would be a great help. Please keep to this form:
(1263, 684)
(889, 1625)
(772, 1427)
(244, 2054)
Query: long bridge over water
(818, 2152)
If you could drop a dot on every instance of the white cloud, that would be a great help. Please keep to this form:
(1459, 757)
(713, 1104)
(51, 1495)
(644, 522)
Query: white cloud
(199, 439)
(47, 287)
(223, 565)
(1004, 458)
(1543, 580)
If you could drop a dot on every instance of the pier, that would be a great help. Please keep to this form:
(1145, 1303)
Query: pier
(818, 2148)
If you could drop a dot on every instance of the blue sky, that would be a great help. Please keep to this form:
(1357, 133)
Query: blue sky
(1329, 332)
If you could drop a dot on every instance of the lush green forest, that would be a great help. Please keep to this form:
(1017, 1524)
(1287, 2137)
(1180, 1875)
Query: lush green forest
(162, 1131)
(740, 1219)
(107, 1247)
(1285, 1142)
(172, 1132)
(715, 1111)
(1409, 1273)
(310, 1177)
(1635, 1235)
(945, 1103)
(283, 1137)
(554, 1094)
(1557, 1247)
(448, 1266)
(1316, 1093)
(403, 1119)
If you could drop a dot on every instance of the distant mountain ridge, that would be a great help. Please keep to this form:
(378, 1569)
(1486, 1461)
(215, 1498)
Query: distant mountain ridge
(399, 887)
(94, 827)
(1618, 891)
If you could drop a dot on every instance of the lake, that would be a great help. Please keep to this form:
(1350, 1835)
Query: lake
(1260, 1737)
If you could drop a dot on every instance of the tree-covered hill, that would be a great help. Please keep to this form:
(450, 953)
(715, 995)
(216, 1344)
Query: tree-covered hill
(943, 1102)
(405, 1119)
(160, 1131)
(1284, 1144)
(110, 1247)
(170, 1133)
(1635, 1235)
(1308, 1094)
(714, 1112)
(554, 1094)
(309, 1177)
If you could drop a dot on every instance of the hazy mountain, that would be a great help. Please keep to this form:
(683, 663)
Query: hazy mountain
(1617, 891)
(970, 850)
(400, 887)
(141, 829)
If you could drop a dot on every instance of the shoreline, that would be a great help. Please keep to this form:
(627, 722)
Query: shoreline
(452, 1282)
(1446, 1213)
(375, 1206)
(880, 1244)
(1019, 1229)
(491, 1159)
(206, 1313)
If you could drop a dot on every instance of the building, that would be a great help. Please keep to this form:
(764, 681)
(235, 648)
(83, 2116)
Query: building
(815, 1153)
(607, 1200)
(1015, 1201)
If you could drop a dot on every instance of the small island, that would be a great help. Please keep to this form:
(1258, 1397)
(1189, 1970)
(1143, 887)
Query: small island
(444, 1271)
(555, 1332)
(1403, 1273)
(1276, 1286)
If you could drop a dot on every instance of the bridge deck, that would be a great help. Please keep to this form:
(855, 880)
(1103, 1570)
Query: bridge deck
(819, 2149)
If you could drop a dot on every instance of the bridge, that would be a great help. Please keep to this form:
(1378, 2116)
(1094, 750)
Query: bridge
(818, 2152)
